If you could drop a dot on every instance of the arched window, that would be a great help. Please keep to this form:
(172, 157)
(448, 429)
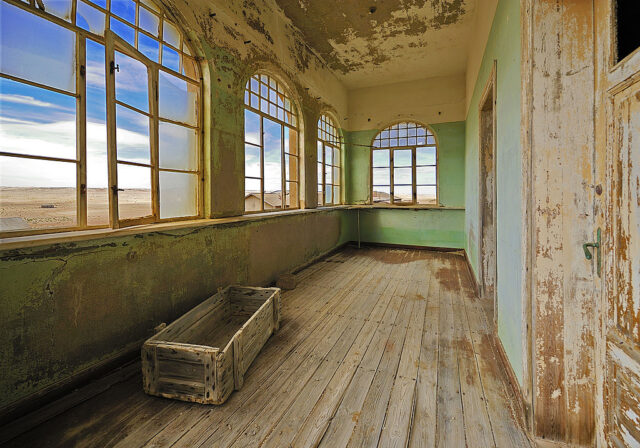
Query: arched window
(271, 146)
(404, 165)
(99, 116)
(329, 144)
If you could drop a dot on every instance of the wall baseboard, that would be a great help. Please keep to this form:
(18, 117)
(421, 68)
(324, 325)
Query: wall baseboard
(407, 246)
(476, 283)
(513, 382)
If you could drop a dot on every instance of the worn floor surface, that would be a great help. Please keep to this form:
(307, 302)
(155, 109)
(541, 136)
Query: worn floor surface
(378, 347)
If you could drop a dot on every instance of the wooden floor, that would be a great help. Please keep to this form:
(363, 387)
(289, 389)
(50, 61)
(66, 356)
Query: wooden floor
(378, 347)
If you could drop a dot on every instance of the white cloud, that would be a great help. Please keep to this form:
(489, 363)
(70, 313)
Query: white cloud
(28, 100)
(58, 139)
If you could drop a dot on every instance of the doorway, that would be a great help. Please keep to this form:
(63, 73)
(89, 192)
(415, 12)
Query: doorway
(487, 196)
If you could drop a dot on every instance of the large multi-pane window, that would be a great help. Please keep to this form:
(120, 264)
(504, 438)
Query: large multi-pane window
(404, 165)
(99, 116)
(329, 145)
(271, 146)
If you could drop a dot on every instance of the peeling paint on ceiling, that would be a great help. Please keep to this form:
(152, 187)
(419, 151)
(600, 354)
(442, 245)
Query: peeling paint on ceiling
(371, 42)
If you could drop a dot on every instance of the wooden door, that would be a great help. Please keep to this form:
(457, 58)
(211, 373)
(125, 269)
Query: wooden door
(618, 133)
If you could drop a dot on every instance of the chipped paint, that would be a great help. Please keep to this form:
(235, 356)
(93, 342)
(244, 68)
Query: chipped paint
(365, 48)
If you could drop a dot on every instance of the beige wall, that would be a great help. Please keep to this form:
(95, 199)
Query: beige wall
(430, 101)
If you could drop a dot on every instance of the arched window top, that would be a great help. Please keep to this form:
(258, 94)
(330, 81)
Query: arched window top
(328, 131)
(404, 134)
(265, 94)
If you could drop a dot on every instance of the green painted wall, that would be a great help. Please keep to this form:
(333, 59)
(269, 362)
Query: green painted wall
(426, 227)
(69, 306)
(504, 47)
(432, 228)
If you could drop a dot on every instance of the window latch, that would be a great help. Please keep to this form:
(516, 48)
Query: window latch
(113, 67)
(115, 189)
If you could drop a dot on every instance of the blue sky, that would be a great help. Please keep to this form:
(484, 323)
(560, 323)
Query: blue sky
(36, 121)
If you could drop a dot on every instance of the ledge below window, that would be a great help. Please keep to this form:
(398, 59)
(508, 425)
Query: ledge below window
(20, 242)
(405, 207)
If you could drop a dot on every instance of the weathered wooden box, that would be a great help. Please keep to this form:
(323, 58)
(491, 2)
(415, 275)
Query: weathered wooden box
(203, 356)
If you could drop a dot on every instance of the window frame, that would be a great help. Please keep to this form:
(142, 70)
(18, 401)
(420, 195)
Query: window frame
(414, 185)
(111, 39)
(281, 89)
(335, 146)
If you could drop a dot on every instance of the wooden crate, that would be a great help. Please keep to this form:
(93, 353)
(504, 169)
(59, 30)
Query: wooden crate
(203, 356)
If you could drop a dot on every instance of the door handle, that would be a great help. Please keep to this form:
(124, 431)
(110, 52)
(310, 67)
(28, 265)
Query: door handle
(598, 247)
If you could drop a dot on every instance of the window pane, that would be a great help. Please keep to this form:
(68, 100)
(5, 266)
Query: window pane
(426, 155)
(402, 157)
(336, 195)
(125, 9)
(134, 195)
(272, 156)
(36, 121)
(426, 195)
(178, 194)
(97, 164)
(170, 34)
(291, 195)
(327, 194)
(170, 59)
(178, 99)
(291, 167)
(189, 67)
(149, 47)
(402, 176)
(336, 176)
(132, 84)
(132, 136)
(320, 198)
(29, 43)
(252, 196)
(381, 176)
(381, 194)
(148, 21)
(328, 179)
(251, 161)
(124, 31)
(36, 194)
(59, 8)
(381, 158)
(320, 152)
(336, 157)
(177, 147)
(89, 18)
(251, 127)
(402, 194)
(426, 175)
(328, 155)
(290, 141)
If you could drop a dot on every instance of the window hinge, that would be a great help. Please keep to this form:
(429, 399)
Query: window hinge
(83, 70)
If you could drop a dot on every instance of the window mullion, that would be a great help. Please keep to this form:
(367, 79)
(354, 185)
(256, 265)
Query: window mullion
(111, 131)
(261, 163)
(283, 171)
(81, 132)
(391, 177)
(154, 141)
(414, 179)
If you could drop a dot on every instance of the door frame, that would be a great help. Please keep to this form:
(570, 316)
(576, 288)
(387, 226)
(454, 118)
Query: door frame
(488, 94)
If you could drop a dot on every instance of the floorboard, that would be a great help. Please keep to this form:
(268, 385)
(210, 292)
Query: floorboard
(378, 347)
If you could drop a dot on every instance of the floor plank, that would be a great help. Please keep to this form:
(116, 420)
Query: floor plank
(378, 347)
